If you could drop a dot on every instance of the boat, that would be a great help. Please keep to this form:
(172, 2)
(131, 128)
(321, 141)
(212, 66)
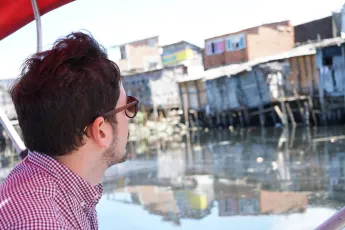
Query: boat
(15, 14)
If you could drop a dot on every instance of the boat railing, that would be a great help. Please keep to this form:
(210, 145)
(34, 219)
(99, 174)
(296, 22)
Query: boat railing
(12, 133)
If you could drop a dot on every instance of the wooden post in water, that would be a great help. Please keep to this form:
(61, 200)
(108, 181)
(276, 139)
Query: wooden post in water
(311, 109)
(343, 54)
(321, 87)
(189, 151)
(155, 110)
(284, 114)
(217, 119)
(281, 116)
(241, 118)
(273, 114)
(246, 116)
(307, 114)
(231, 118)
(293, 121)
(292, 137)
(300, 107)
(261, 114)
(185, 110)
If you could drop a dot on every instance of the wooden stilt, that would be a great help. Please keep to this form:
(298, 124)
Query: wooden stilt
(230, 118)
(197, 121)
(246, 116)
(280, 114)
(191, 120)
(241, 118)
(284, 113)
(273, 115)
(261, 116)
(307, 113)
(311, 109)
(218, 119)
(186, 110)
(299, 104)
(292, 118)
(224, 120)
(292, 137)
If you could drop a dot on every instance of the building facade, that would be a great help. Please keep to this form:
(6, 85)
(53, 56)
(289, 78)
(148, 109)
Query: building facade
(323, 28)
(182, 53)
(137, 56)
(248, 44)
(157, 88)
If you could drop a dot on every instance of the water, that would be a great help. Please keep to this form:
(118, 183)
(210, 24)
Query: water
(249, 179)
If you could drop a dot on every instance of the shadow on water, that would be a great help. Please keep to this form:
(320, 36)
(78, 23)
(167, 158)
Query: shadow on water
(267, 174)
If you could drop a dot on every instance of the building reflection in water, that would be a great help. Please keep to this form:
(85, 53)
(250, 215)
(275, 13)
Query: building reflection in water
(223, 173)
(252, 172)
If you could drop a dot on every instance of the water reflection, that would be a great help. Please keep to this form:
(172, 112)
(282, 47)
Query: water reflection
(249, 172)
(230, 175)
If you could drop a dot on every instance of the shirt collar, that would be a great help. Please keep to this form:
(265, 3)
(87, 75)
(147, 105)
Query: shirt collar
(86, 194)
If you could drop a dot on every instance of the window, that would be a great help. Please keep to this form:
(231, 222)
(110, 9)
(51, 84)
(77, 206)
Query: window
(153, 65)
(123, 52)
(151, 42)
(235, 42)
(215, 47)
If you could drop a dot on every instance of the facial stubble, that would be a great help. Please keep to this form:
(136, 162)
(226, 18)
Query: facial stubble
(112, 155)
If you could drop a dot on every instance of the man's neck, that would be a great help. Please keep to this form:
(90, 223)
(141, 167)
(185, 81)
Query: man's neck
(91, 170)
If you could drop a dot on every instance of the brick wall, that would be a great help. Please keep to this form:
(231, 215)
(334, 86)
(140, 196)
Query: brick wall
(214, 60)
(270, 41)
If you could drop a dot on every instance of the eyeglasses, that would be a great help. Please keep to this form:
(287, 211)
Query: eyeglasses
(131, 109)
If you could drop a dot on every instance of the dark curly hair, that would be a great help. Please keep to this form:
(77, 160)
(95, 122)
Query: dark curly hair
(62, 90)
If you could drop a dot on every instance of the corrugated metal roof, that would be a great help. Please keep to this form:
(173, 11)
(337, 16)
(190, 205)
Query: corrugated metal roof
(194, 73)
(228, 70)
(190, 78)
(328, 42)
(238, 68)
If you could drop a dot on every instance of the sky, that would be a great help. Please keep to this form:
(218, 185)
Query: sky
(114, 22)
(136, 217)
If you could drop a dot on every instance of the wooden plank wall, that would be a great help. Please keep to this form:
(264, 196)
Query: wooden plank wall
(304, 74)
(159, 87)
(195, 93)
(293, 77)
(255, 89)
(223, 93)
(201, 85)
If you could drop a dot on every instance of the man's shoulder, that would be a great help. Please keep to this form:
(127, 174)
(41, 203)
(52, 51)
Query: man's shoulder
(27, 179)
(26, 194)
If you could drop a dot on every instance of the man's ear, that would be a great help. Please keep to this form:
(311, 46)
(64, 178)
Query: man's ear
(100, 132)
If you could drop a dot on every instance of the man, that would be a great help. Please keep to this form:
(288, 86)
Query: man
(74, 113)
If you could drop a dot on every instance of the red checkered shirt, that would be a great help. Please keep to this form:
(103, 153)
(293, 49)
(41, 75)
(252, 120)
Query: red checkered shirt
(41, 193)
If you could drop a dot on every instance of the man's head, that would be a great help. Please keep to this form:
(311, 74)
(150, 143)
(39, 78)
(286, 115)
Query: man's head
(63, 99)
